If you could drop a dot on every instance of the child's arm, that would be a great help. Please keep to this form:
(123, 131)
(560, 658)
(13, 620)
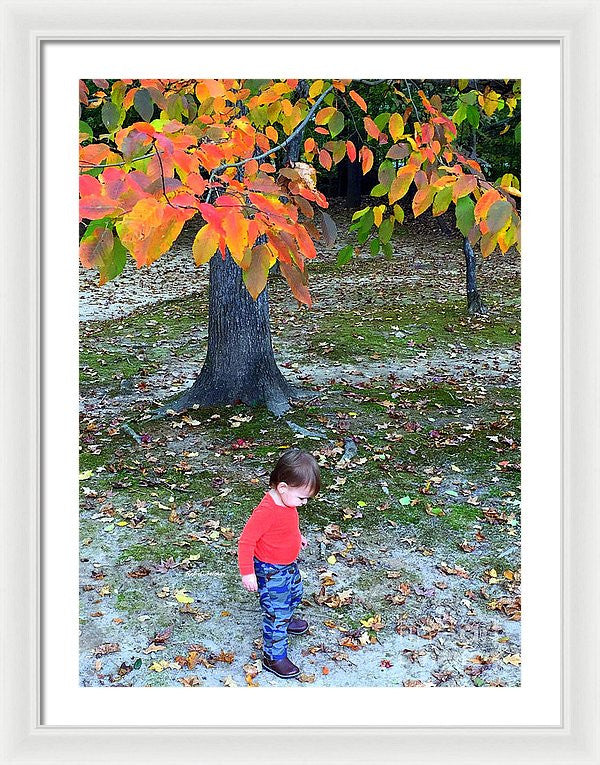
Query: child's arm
(249, 582)
(255, 527)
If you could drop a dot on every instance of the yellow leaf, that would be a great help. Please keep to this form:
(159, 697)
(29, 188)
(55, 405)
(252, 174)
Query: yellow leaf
(396, 127)
(205, 244)
(181, 597)
(332, 559)
(513, 658)
(85, 475)
(316, 89)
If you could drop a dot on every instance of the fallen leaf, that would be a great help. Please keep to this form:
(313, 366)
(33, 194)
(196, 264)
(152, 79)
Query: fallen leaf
(181, 597)
(105, 648)
(190, 681)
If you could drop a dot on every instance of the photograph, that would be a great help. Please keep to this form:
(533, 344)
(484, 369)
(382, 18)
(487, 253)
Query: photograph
(299, 383)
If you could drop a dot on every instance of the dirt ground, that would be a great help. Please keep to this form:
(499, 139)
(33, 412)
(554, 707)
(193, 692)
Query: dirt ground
(412, 574)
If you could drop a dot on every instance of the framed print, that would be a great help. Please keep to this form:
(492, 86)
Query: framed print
(548, 712)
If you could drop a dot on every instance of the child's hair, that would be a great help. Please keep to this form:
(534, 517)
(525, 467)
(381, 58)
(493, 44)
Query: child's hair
(297, 468)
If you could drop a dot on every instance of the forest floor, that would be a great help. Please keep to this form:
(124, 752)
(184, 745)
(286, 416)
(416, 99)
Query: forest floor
(412, 573)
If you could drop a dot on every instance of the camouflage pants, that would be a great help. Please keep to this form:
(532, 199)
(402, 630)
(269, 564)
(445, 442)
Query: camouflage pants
(280, 592)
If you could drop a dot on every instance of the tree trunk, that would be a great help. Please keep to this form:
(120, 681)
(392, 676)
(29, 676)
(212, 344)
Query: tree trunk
(239, 364)
(292, 150)
(474, 302)
(353, 187)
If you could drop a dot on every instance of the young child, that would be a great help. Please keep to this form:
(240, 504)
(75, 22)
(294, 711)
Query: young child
(267, 551)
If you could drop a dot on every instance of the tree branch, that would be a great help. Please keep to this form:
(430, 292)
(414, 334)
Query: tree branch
(411, 100)
(89, 165)
(280, 146)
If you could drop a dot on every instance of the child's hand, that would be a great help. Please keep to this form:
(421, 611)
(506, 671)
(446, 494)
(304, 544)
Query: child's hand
(249, 582)
(303, 542)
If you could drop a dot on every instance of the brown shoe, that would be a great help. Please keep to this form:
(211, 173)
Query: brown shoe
(297, 627)
(281, 667)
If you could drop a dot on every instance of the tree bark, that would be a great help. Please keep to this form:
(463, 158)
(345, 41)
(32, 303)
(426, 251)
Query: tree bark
(474, 302)
(353, 186)
(292, 150)
(239, 366)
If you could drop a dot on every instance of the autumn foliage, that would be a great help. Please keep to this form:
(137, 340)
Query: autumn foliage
(175, 149)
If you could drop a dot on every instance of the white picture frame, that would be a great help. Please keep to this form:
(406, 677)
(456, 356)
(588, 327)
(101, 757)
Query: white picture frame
(576, 26)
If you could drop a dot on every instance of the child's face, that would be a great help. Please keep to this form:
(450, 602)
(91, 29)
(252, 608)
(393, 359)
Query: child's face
(294, 496)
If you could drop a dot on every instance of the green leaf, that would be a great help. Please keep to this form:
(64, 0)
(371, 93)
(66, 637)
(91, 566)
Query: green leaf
(386, 173)
(382, 120)
(85, 128)
(465, 216)
(344, 255)
(405, 501)
(137, 663)
(118, 93)
(442, 200)
(388, 250)
(399, 213)
(518, 133)
(111, 115)
(101, 248)
(379, 190)
(498, 215)
(473, 116)
(374, 246)
(366, 222)
(459, 115)
(144, 105)
(359, 213)
(386, 229)
(336, 124)
(469, 98)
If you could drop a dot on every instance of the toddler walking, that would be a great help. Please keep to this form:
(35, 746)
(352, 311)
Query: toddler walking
(267, 551)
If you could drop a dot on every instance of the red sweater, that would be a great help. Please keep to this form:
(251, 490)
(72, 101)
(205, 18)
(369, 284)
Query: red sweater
(271, 534)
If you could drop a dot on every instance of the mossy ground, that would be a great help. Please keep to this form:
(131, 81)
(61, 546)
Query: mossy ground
(424, 400)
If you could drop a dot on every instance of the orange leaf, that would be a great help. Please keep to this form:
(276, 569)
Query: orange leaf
(401, 183)
(422, 199)
(96, 206)
(358, 100)
(251, 168)
(196, 183)
(150, 229)
(351, 150)
(271, 133)
(235, 226)
(325, 159)
(293, 277)
(366, 158)
(463, 186)
(324, 115)
(371, 128)
(310, 146)
(488, 243)
(485, 202)
(307, 246)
